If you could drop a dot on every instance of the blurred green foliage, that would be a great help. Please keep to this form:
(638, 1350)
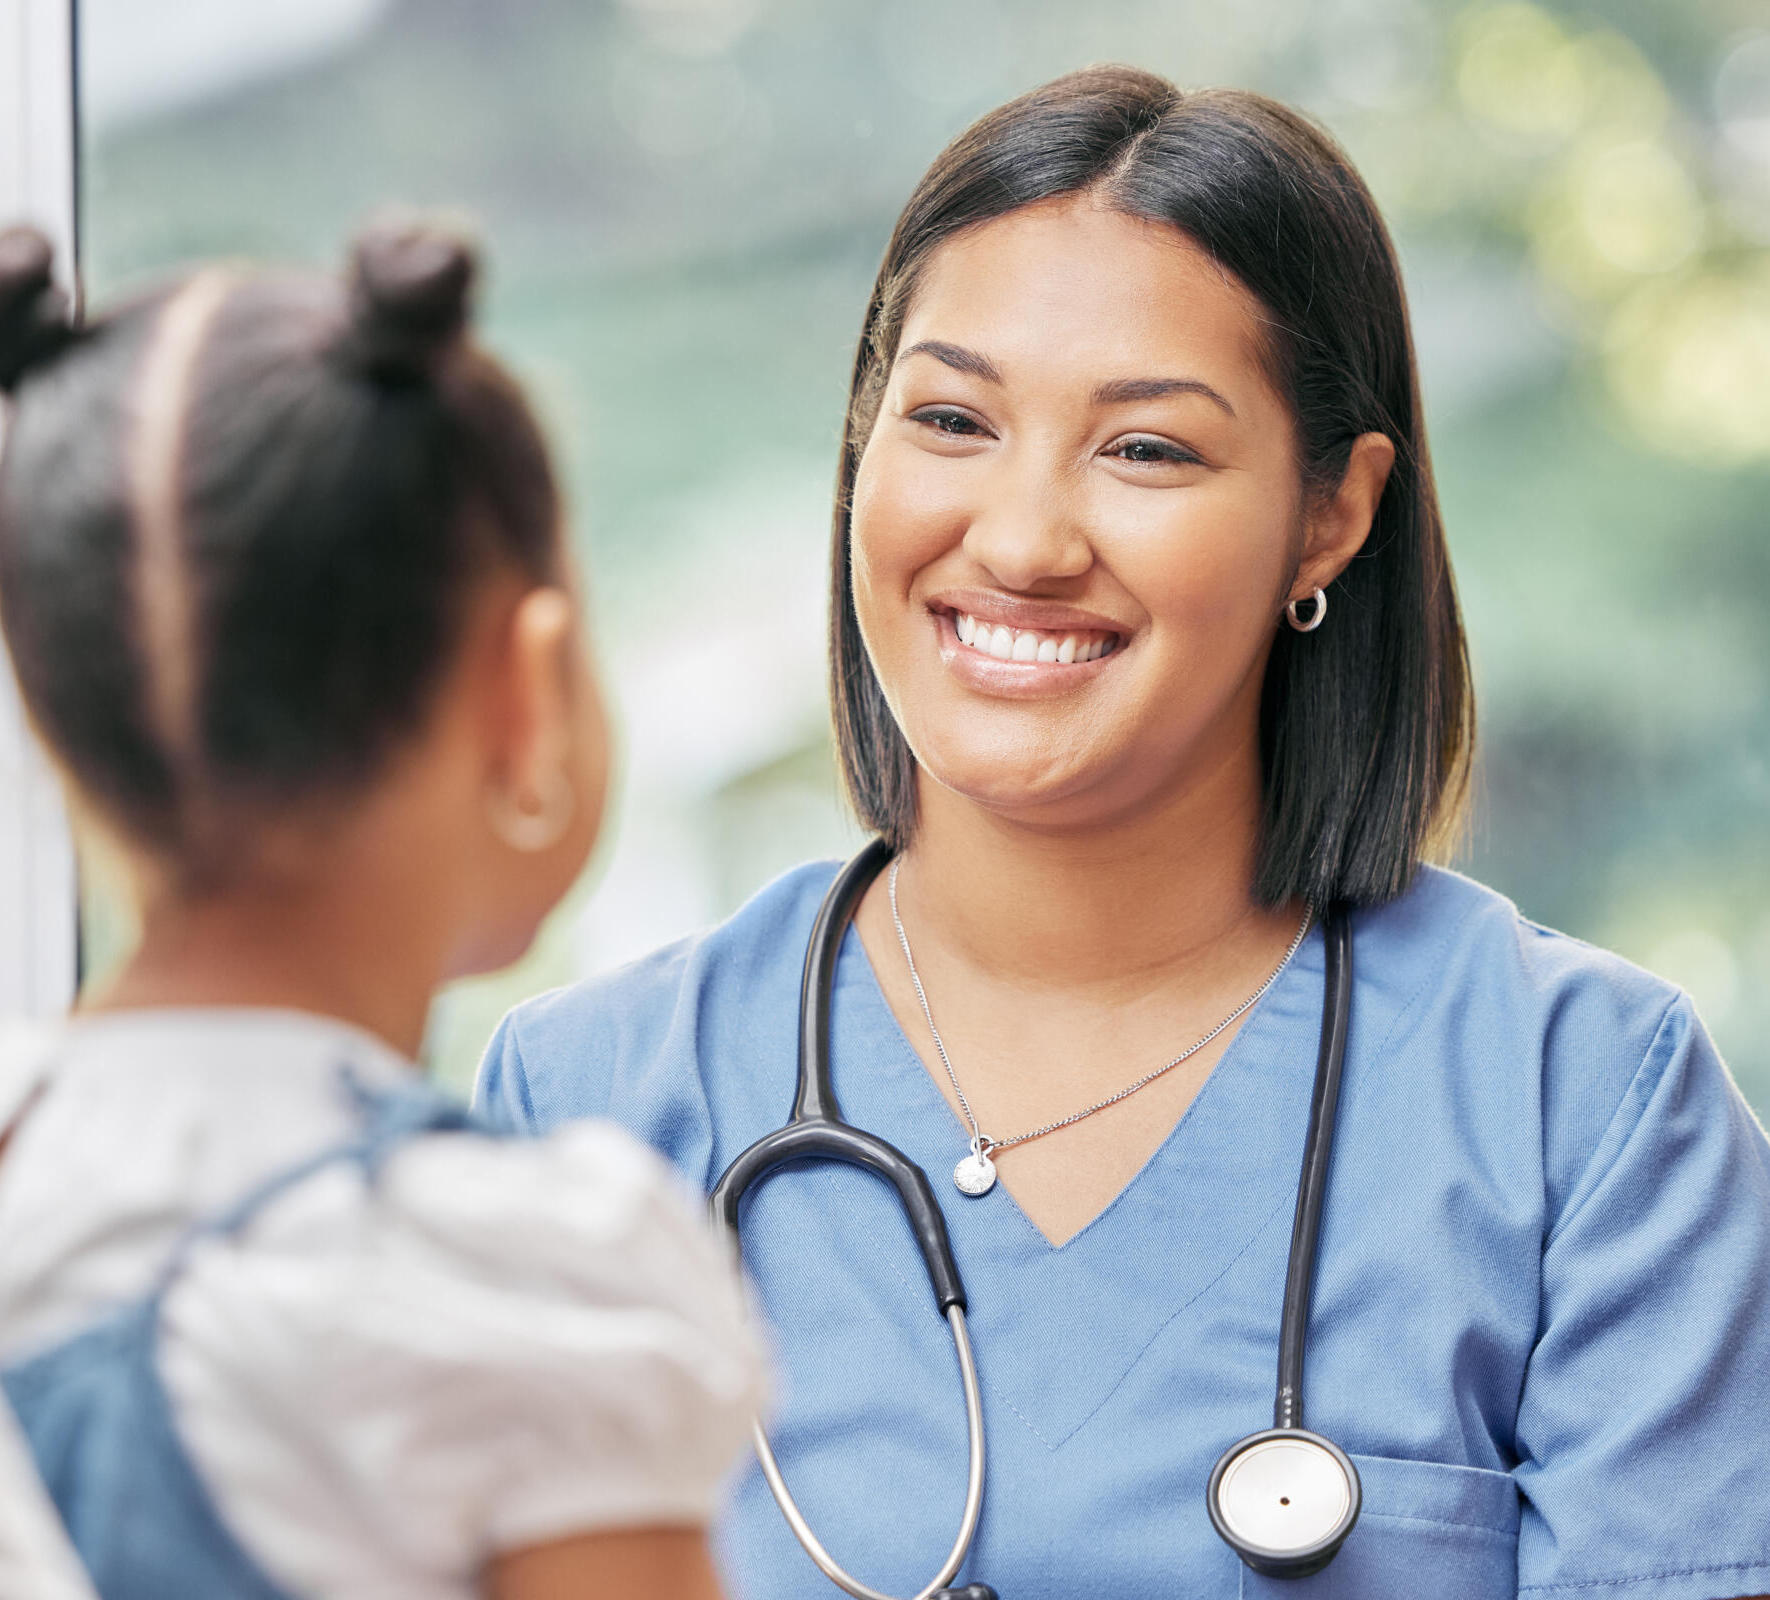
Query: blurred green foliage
(687, 198)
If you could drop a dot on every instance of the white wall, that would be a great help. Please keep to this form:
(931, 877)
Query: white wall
(38, 903)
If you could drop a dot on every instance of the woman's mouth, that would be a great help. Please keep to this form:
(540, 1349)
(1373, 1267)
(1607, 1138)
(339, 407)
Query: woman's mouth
(994, 658)
(1032, 646)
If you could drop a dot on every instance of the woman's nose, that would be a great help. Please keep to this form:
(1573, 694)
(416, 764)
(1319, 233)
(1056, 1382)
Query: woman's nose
(1027, 526)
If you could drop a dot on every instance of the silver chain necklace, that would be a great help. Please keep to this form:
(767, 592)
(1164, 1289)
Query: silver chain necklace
(976, 1173)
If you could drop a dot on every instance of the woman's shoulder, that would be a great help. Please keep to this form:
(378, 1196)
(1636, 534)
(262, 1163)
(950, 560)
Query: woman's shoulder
(624, 1041)
(1541, 1028)
(1451, 930)
(750, 945)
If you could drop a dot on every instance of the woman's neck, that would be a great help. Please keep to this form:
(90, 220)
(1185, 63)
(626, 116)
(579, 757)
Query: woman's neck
(1112, 908)
(1065, 964)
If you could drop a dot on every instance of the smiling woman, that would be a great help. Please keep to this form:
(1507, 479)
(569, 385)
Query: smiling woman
(1177, 511)
(1155, 249)
(1148, 673)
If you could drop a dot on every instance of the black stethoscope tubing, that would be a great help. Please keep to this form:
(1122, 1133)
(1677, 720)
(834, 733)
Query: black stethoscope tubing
(1324, 1107)
(816, 1131)
(1300, 1560)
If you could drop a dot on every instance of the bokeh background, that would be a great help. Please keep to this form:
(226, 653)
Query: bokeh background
(686, 200)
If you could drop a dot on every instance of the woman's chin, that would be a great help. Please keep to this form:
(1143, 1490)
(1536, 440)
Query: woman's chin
(1035, 792)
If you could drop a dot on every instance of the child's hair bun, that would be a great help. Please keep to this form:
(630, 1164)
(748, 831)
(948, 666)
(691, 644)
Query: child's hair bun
(34, 321)
(411, 290)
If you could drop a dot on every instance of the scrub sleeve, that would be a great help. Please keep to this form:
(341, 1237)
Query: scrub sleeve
(1643, 1430)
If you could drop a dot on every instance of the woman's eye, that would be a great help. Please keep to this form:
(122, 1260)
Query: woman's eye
(956, 424)
(1151, 450)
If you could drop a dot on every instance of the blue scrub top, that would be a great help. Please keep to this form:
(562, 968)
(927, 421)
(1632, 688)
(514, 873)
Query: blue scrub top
(1542, 1312)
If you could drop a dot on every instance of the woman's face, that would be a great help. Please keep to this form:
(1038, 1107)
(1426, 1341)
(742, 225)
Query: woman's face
(1078, 517)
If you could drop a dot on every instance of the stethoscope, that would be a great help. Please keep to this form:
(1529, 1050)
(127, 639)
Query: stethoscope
(1284, 1499)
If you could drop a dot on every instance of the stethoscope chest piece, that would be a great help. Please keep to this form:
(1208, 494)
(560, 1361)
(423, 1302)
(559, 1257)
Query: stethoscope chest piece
(1284, 1501)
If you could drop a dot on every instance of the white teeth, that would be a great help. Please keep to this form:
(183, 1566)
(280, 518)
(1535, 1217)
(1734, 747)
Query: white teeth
(1027, 645)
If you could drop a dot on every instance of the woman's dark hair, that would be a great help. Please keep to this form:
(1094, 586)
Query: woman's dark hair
(1366, 725)
(240, 523)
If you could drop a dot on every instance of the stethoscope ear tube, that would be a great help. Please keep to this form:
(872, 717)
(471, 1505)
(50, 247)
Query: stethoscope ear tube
(814, 1096)
(816, 1132)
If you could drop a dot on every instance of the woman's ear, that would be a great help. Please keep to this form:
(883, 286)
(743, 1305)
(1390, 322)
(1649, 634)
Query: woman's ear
(1338, 525)
(535, 772)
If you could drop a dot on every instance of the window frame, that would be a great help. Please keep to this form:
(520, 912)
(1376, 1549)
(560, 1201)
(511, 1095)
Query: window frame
(39, 183)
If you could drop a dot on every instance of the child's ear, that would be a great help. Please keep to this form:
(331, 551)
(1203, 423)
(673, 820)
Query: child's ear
(531, 796)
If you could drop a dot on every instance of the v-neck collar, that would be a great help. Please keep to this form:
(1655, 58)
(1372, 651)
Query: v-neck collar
(1225, 1173)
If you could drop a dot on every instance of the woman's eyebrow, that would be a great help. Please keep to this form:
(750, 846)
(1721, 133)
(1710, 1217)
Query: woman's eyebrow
(957, 357)
(1117, 391)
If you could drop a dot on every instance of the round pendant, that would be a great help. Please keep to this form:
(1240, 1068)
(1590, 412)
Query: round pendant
(976, 1174)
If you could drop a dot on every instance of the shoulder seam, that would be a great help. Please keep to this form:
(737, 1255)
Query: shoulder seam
(1581, 1189)
(1407, 1006)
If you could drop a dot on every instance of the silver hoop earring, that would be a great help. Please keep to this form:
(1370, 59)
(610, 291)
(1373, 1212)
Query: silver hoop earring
(531, 829)
(1315, 616)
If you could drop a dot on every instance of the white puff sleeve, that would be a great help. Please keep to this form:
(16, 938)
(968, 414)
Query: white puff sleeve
(495, 1344)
